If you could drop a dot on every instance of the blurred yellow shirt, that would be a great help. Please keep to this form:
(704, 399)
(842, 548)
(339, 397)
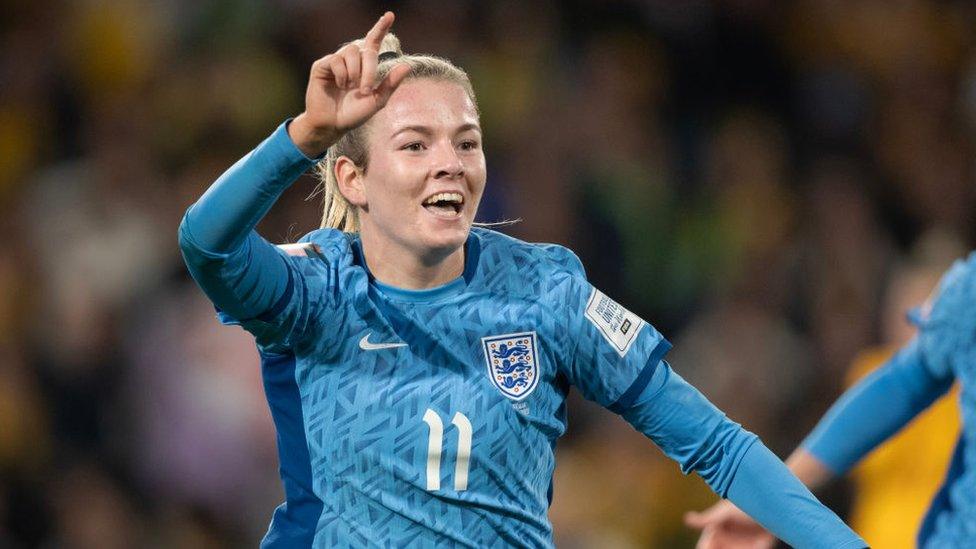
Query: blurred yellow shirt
(895, 483)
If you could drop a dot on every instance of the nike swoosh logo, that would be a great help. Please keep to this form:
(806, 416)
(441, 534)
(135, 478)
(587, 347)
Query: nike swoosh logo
(365, 345)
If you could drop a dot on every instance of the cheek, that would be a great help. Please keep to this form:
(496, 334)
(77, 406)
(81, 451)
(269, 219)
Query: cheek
(478, 174)
(392, 181)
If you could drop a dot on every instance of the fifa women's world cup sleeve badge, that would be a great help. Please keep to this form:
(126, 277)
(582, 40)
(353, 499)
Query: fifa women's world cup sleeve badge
(513, 363)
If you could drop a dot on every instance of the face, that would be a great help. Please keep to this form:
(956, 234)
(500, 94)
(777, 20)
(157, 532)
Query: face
(426, 169)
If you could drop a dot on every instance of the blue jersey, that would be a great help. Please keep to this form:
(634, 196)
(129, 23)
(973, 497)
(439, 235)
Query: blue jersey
(437, 411)
(947, 344)
(428, 418)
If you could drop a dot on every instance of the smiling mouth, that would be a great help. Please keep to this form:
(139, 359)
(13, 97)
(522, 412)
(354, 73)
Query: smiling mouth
(445, 205)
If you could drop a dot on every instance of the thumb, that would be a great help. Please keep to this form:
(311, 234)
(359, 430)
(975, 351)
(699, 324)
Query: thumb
(392, 81)
(699, 520)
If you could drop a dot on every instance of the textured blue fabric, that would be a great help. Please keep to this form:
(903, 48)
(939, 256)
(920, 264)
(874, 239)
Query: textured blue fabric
(238, 270)
(943, 351)
(294, 521)
(367, 439)
(941, 504)
(390, 380)
(689, 428)
(639, 391)
(947, 336)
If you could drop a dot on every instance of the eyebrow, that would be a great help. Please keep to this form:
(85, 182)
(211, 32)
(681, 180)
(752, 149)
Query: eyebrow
(426, 130)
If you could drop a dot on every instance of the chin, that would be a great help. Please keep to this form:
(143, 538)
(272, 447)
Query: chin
(445, 241)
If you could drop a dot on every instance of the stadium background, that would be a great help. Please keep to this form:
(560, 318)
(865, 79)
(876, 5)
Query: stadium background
(753, 177)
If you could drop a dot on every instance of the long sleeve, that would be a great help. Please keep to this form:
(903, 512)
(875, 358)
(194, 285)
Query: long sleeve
(766, 490)
(252, 282)
(876, 408)
(245, 276)
(228, 211)
(733, 462)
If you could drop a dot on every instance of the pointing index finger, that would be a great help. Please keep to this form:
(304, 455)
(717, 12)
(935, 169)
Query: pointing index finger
(374, 38)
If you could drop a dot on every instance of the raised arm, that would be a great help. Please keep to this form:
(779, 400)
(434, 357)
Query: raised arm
(244, 275)
(240, 272)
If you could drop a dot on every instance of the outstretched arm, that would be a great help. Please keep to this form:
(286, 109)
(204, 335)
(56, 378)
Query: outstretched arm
(875, 409)
(734, 463)
(866, 415)
(617, 361)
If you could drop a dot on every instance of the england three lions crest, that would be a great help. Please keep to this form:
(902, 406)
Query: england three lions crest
(513, 364)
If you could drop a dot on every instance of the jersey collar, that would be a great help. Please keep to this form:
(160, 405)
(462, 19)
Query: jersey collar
(472, 250)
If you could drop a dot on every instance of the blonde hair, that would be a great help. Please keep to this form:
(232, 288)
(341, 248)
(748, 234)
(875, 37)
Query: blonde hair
(337, 212)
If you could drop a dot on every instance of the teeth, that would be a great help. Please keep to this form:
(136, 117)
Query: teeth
(446, 197)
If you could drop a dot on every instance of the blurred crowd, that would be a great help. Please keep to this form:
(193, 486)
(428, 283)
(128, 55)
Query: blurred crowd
(753, 177)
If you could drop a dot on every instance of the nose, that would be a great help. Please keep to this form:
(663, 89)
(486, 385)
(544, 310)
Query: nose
(447, 163)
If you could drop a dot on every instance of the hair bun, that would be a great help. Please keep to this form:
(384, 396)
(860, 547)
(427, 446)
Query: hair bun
(391, 44)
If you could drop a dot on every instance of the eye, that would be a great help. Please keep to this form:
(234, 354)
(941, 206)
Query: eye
(469, 145)
(416, 146)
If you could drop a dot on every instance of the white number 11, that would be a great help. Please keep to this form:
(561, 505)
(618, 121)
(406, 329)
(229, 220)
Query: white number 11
(434, 446)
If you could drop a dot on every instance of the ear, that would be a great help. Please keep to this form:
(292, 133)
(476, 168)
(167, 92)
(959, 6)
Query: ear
(349, 178)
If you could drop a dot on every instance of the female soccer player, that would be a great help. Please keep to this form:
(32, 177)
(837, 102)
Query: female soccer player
(416, 367)
(879, 406)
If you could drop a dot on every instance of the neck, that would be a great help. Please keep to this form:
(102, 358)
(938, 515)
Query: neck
(394, 265)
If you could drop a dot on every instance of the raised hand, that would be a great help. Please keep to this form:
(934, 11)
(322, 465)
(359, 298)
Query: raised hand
(342, 91)
(724, 526)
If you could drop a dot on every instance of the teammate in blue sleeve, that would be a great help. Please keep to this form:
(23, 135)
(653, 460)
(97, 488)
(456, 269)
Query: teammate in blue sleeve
(416, 367)
(879, 406)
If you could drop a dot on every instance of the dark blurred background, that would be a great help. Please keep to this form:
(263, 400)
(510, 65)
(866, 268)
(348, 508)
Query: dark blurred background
(758, 179)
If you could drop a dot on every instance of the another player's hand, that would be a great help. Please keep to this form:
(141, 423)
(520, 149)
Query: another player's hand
(342, 91)
(724, 526)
